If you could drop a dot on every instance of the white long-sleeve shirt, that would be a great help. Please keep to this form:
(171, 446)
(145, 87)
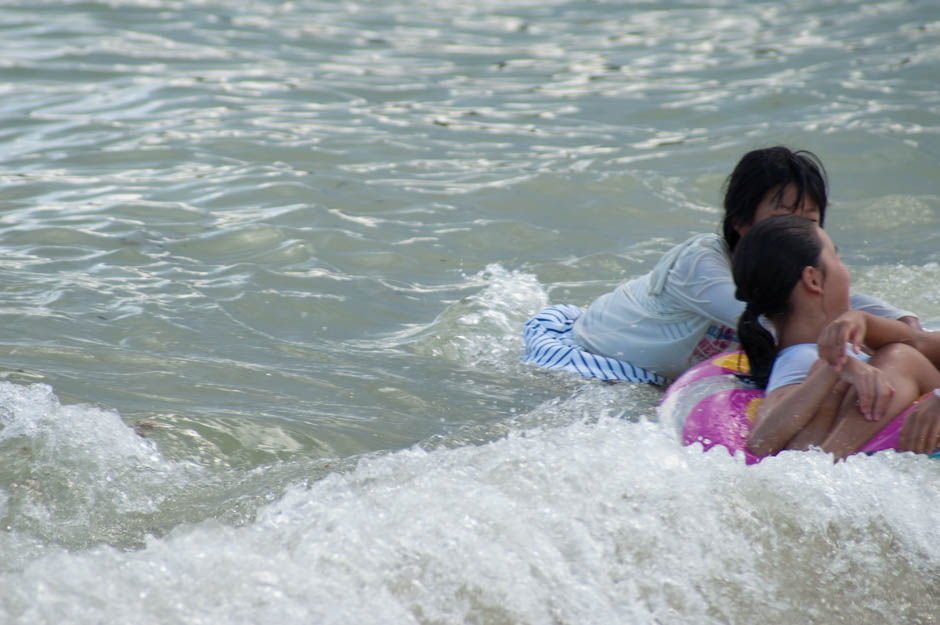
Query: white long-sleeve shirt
(680, 313)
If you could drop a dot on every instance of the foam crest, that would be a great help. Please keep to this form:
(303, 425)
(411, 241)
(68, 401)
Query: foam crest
(911, 287)
(79, 474)
(485, 328)
(586, 523)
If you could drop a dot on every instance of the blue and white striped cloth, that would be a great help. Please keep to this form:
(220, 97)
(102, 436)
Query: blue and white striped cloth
(548, 344)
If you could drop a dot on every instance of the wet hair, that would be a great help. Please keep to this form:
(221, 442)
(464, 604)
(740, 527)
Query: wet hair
(767, 264)
(770, 169)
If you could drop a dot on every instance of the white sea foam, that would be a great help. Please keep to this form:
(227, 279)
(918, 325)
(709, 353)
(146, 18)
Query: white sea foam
(598, 522)
(484, 329)
(77, 474)
(293, 243)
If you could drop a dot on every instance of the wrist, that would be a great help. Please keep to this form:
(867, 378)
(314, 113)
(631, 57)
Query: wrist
(852, 364)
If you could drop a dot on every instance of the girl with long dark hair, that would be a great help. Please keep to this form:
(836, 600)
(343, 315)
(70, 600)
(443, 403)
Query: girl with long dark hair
(822, 389)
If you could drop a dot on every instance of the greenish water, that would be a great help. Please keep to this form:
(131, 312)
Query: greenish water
(269, 263)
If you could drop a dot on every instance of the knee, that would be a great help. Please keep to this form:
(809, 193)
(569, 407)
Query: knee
(905, 359)
(895, 351)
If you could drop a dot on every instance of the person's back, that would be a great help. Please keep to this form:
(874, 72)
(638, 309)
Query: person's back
(667, 320)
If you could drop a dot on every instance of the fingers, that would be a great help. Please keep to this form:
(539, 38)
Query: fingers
(883, 397)
(874, 394)
(855, 337)
(831, 346)
(921, 430)
(932, 439)
(866, 398)
(923, 437)
(911, 431)
(849, 328)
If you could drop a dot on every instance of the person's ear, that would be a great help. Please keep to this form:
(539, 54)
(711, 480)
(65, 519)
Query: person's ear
(812, 279)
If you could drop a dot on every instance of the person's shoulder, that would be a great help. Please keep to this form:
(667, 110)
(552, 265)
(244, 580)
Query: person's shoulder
(704, 246)
(799, 353)
(705, 242)
(709, 240)
(791, 365)
(798, 348)
(685, 260)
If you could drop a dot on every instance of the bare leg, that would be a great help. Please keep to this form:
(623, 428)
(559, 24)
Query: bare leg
(911, 374)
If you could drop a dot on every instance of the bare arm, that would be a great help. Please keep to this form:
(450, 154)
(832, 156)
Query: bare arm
(789, 409)
(799, 415)
(921, 430)
(860, 328)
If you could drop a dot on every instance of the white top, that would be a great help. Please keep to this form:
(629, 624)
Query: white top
(793, 363)
(680, 313)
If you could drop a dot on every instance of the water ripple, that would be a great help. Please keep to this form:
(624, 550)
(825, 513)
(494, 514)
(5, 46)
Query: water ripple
(277, 234)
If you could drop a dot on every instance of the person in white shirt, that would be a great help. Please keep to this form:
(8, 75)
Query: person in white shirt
(656, 326)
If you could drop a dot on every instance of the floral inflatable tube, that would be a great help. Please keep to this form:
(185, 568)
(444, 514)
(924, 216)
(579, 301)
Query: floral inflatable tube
(711, 404)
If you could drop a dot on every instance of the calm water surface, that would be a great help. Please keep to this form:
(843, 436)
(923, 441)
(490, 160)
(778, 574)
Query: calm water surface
(265, 267)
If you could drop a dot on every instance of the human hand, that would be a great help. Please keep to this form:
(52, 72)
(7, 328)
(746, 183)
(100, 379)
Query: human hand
(921, 430)
(872, 386)
(849, 327)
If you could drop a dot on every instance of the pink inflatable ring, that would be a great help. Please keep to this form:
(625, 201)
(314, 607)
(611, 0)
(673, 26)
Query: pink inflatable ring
(710, 404)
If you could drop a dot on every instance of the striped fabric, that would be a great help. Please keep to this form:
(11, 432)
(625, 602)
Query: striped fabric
(548, 344)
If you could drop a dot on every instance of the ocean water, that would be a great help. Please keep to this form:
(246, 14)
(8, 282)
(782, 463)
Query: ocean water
(265, 267)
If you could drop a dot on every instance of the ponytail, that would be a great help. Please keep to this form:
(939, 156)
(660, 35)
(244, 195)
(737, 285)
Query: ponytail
(758, 344)
(767, 265)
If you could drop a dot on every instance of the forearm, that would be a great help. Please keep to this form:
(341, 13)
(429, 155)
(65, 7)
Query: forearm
(881, 331)
(819, 426)
(789, 410)
(868, 332)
